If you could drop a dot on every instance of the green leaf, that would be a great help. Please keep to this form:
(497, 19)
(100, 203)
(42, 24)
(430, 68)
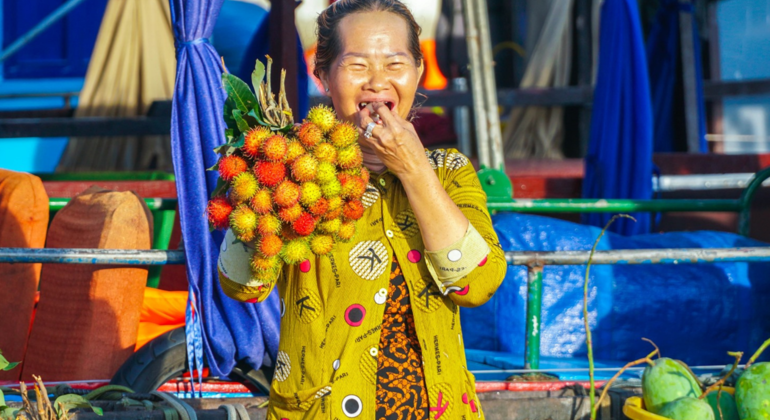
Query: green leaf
(216, 166)
(256, 113)
(5, 364)
(68, 402)
(8, 412)
(228, 114)
(223, 150)
(243, 126)
(287, 128)
(220, 188)
(239, 143)
(2, 399)
(243, 97)
(229, 133)
(258, 75)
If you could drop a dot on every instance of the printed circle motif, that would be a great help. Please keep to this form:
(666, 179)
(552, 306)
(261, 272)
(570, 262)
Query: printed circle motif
(368, 366)
(405, 225)
(371, 195)
(351, 406)
(454, 255)
(282, 367)
(355, 314)
(484, 261)
(414, 256)
(307, 305)
(304, 266)
(427, 297)
(381, 297)
(369, 259)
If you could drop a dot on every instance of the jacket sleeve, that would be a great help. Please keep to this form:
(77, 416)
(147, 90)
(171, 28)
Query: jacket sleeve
(478, 285)
(235, 275)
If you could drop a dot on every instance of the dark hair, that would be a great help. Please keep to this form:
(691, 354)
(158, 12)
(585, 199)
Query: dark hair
(329, 44)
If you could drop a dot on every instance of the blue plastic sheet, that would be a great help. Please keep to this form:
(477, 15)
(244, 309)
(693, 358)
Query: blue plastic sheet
(694, 312)
(619, 159)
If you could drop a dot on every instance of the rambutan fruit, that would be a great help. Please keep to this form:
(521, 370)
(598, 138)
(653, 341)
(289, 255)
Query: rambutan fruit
(330, 226)
(304, 225)
(347, 231)
(326, 172)
(243, 187)
(325, 152)
(353, 210)
(287, 232)
(343, 135)
(246, 236)
(294, 150)
(269, 245)
(304, 168)
(321, 244)
(253, 141)
(323, 117)
(268, 225)
(350, 157)
(310, 135)
(219, 210)
(232, 166)
(264, 275)
(262, 202)
(290, 214)
(365, 175)
(286, 194)
(358, 171)
(331, 189)
(333, 214)
(274, 148)
(352, 187)
(260, 262)
(243, 220)
(310, 193)
(270, 173)
(319, 207)
(335, 203)
(296, 251)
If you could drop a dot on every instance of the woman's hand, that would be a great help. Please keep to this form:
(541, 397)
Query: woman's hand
(394, 140)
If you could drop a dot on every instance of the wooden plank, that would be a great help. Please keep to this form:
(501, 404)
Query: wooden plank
(84, 127)
(145, 189)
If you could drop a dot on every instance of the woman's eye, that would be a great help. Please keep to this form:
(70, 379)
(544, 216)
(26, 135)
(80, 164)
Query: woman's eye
(356, 67)
(396, 66)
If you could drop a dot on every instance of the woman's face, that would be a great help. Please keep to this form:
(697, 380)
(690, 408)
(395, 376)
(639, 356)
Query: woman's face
(374, 65)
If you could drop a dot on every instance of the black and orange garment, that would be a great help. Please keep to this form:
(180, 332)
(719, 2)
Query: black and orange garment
(334, 310)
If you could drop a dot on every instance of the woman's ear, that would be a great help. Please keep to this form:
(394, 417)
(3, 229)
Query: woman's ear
(324, 78)
(420, 69)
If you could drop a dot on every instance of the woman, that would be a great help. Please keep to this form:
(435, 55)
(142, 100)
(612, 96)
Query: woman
(372, 330)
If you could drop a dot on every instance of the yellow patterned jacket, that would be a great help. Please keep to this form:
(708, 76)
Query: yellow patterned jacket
(332, 306)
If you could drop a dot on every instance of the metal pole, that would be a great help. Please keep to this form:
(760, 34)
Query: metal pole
(462, 118)
(477, 83)
(46, 23)
(641, 256)
(91, 256)
(688, 68)
(744, 218)
(534, 313)
(585, 205)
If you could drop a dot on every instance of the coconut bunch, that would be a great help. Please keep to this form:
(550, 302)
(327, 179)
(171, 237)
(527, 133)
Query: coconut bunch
(291, 192)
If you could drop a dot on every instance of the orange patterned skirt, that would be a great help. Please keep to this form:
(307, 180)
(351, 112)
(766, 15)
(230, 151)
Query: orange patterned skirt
(401, 391)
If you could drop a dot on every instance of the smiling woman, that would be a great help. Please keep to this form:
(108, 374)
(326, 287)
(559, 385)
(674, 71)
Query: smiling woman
(372, 329)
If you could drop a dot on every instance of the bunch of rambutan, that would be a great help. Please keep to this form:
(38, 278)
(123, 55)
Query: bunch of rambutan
(291, 193)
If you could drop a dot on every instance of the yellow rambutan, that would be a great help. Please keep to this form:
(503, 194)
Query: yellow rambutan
(246, 236)
(295, 251)
(350, 156)
(274, 148)
(290, 214)
(270, 174)
(335, 203)
(262, 202)
(218, 210)
(260, 262)
(323, 117)
(310, 192)
(243, 187)
(358, 171)
(286, 194)
(309, 134)
(265, 275)
(321, 244)
(231, 166)
(325, 172)
(253, 140)
(294, 149)
(347, 231)
(304, 168)
(343, 135)
(269, 245)
(268, 224)
(325, 152)
(330, 226)
(331, 189)
(243, 220)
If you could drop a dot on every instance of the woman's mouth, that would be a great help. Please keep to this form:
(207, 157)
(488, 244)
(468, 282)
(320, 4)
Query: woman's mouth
(389, 104)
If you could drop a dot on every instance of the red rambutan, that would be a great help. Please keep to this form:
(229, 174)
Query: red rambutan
(270, 173)
(274, 148)
(304, 225)
(309, 134)
(353, 210)
(319, 207)
(286, 194)
(219, 210)
(231, 166)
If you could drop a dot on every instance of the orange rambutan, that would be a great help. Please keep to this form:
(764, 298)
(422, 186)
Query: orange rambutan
(270, 173)
(290, 214)
(352, 187)
(253, 140)
(268, 225)
(243, 187)
(294, 149)
(353, 210)
(262, 202)
(269, 245)
(333, 213)
(274, 148)
(321, 244)
(232, 166)
(323, 117)
(347, 231)
(286, 194)
(319, 207)
(350, 156)
(335, 203)
(343, 135)
(304, 168)
(310, 135)
(219, 210)
(325, 152)
(304, 225)
(310, 193)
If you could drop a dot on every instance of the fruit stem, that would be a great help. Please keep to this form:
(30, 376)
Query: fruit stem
(589, 341)
(718, 384)
(719, 406)
(757, 353)
(617, 375)
(654, 345)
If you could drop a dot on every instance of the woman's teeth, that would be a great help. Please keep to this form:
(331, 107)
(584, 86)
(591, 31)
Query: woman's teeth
(363, 105)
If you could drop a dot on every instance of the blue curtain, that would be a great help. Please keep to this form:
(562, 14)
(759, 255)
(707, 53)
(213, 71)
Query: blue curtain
(619, 160)
(663, 58)
(224, 330)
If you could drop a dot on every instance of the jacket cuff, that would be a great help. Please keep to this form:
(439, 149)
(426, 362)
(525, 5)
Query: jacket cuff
(456, 261)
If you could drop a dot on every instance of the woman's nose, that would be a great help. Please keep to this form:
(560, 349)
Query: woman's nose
(378, 81)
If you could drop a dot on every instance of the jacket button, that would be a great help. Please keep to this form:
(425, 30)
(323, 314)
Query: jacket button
(389, 233)
(381, 296)
(373, 351)
(382, 181)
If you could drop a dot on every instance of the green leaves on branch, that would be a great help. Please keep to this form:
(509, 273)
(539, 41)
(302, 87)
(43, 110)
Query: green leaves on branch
(5, 365)
(68, 402)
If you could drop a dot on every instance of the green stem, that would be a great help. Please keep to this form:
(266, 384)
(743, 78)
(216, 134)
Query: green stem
(718, 384)
(757, 353)
(589, 341)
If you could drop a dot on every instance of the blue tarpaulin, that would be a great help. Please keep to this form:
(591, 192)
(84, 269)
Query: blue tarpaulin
(619, 160)
(224, 330)
(663, 58)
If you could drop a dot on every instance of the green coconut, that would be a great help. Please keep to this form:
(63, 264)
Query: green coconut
(668, 380)
(726, 402)
(752, 392)
(687, 408)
